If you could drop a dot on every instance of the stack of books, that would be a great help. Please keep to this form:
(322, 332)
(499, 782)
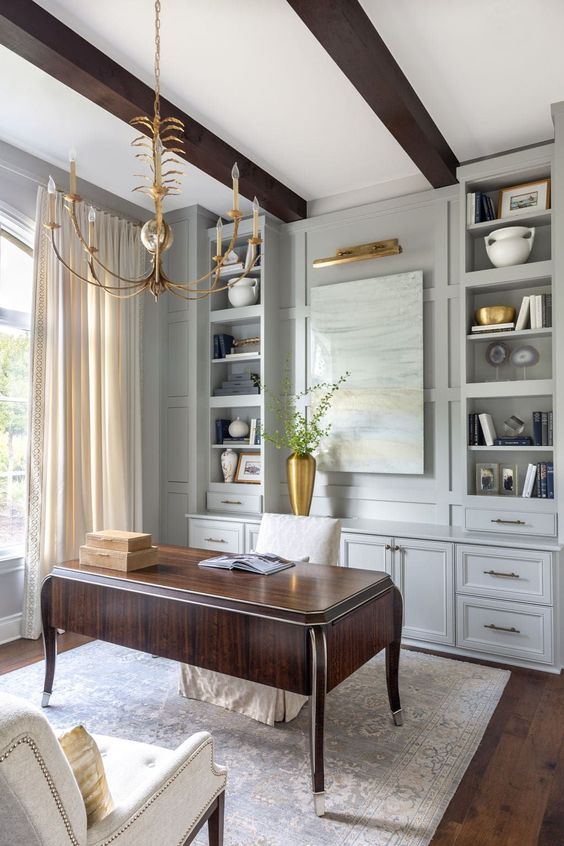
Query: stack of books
(539, 480)
(479, 207)
(535, 312)
(543, 428)
(222, 344)
(493, 327)
(237, 384)
(113, 549)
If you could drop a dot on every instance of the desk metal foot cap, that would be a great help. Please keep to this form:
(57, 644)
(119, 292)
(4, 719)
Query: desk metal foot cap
(398, 717)
(319, 802)
(45, 699)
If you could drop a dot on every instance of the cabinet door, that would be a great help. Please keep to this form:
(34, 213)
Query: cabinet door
(251, 535)
(423, 571)
(366, 552)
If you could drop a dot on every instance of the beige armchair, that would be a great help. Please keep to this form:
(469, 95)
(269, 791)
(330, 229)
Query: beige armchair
(160, 796)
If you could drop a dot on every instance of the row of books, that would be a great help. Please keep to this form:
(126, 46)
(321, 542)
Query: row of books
(222, 344)
(482, 431)
(222, 433)
(240, 264)
(535, 312)
(239, 384)
(479, 207)
(539, 480)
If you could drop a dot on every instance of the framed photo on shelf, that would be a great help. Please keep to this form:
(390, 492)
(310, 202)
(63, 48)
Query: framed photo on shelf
(487, 479)
(519, 199)
(509, 480)
(249, 468)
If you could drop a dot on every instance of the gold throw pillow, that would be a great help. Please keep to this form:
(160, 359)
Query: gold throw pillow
(86, 763)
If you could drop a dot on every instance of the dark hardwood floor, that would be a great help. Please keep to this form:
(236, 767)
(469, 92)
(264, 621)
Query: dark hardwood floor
(513, 791)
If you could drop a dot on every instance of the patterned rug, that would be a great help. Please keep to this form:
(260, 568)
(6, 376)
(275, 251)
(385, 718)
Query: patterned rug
(386, 786)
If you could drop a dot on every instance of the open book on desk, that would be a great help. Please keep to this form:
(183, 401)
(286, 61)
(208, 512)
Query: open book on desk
(264, 563)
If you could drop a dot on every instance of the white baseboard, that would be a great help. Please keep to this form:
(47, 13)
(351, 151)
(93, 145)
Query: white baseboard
(10, 627)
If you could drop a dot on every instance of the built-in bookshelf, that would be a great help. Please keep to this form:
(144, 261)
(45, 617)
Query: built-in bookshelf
(507, 388)
(250, 365)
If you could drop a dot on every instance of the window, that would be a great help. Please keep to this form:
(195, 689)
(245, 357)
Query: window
(16, 279)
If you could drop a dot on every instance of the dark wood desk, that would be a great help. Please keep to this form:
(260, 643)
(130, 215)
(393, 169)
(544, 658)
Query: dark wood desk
(305, 629)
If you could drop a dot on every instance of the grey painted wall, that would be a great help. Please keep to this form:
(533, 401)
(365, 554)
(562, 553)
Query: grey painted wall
(426, 226)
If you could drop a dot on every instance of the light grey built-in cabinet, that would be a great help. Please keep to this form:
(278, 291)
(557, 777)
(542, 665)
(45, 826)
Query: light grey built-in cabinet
(464, 592)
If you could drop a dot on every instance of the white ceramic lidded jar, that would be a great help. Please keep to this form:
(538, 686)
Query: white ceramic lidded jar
(238, 428)
(243, 292)
(509, 246)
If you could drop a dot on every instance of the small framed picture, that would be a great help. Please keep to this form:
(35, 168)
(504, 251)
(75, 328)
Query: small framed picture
(509, 480)
(249, 468)
(487, 479)
(531, 196)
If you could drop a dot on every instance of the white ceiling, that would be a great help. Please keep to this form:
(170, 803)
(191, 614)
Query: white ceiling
(251, 71)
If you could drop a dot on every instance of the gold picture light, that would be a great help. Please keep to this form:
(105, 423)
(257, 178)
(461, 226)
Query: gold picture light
(363, 252)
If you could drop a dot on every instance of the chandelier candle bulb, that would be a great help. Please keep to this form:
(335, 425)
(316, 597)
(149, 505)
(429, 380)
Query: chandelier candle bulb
(52, 191)
(72, 162)
(235, 178)
(256, 209)
(218, 235)
(91, 222)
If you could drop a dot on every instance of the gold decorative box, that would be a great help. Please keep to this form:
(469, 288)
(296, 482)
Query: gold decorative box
(119, 541)
(113, 559)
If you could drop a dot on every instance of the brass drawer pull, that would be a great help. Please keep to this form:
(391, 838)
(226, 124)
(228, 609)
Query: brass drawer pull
(503, 575)
(513, 630)
(231, 502)
(509, 522)
(215, 540)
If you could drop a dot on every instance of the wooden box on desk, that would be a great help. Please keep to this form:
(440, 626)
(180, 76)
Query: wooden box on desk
(120, 541)
(116, 559)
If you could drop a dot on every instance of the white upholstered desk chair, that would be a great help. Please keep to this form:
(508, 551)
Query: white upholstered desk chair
(160, 797)
(315, 538)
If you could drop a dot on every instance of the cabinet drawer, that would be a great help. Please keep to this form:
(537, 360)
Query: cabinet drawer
(496, 572)
(215, 535)
(234, 503)
(516, 522)
(505, 628)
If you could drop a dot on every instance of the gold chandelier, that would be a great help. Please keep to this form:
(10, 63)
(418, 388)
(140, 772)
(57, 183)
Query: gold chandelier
(158, 146)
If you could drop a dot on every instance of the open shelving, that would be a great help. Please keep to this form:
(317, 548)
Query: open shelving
(244, 322)
(506, 390)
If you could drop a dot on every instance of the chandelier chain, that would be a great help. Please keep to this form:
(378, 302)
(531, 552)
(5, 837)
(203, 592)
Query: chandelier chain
(158, 58)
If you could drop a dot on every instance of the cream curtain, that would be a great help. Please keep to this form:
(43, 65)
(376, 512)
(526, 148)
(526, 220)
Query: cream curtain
(85, 429)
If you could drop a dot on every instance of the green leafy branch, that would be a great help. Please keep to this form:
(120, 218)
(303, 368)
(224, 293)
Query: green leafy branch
(297, 432)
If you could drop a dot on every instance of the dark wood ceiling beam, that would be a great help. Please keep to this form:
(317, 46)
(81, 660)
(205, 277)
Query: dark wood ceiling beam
(43, 40)
(346, 32)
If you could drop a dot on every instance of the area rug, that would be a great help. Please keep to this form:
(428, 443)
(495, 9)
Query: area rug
(386, 786)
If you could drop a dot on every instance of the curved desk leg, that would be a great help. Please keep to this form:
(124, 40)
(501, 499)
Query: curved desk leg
(49, 641)
(392, 660)
(317, 715)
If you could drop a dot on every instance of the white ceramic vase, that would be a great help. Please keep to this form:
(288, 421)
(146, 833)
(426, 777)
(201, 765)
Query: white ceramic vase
(509, 246)
(243, 292)
(228, 464)
(238, 428)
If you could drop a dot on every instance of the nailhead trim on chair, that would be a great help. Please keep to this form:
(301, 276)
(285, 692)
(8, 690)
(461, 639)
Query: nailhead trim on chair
(136, 816)
(43, 767)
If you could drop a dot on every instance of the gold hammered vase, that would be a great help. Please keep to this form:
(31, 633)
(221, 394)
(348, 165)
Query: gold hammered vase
(301, 478)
